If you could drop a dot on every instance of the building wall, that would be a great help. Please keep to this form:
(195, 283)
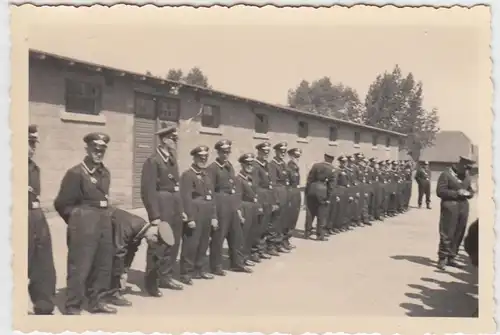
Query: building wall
(61, 133)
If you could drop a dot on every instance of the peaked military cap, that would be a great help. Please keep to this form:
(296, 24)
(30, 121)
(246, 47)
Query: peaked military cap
(97, 138)
(223, 145)
(372, 159)
(341, 158)
(329, 154)
(295, 151)
(201, 150)
(165, 233)
(359, 155)
(166, 129)
(425, 162)
(466, 160)
(351, 158)
(246, 158)
(263, 146)
(281, 146)
(33, 132)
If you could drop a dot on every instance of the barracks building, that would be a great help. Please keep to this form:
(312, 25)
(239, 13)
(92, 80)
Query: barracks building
(69, 98)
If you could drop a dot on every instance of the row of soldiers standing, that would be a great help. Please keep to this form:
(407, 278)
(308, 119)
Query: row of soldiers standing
(256, 210)
(356, 193)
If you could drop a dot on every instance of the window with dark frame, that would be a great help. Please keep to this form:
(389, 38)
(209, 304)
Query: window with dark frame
(357, 137)
(82, 97)
(374, 140)
(168, 109)
(303, 129)
(388, 141)
(333, 137)
(210, 116)
(261, 123)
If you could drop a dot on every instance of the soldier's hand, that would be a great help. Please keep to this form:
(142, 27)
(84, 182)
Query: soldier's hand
(366, 195)
(275, 208)
(351, 199)
(260, 210)
(337, 199)
(191, 224)
(214, 223)
(184, 217)
(357, 195)
(123, 281)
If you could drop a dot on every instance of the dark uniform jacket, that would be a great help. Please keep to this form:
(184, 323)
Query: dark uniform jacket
(263, 182)
(196, 185)
(158, 174)
(81, 186)
(34, 188)
(320, 181)
(222, 176)
(294, 174)
(422, 175)
(278, 172)
(449, 183)
(127, 227)
(471, 243)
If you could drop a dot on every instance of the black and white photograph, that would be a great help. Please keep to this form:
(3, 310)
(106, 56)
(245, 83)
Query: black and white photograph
(253, 169)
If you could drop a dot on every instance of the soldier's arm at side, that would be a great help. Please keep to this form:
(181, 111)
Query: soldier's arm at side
(149, 194)
(214, 203)
(69, 194)
(442, 189)
(186, 195)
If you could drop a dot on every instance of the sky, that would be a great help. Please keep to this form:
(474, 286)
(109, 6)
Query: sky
(261, 53)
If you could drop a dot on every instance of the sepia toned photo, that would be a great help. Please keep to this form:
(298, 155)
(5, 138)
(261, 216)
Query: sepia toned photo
(252, 169)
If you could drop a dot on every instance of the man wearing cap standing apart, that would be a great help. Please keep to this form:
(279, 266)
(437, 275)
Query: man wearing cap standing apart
(41, 270)
(454, 189)
(267, 198)
(129, 230)
(199, 206)
(221, 174)
(294, 193)
(162, 201)
(251, 210)
(82, 202)
(423, 179)
(318, 190)
(278, 174)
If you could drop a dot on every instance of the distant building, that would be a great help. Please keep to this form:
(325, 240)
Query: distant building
(448, 146)
(69, 97)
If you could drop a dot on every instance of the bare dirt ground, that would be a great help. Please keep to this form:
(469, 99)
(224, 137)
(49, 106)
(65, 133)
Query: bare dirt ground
(384, 270)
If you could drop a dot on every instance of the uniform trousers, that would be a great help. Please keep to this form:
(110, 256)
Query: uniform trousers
(41, 270)
(90, 255)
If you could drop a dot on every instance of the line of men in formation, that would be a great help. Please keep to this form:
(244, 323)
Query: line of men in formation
(255, 210)
(358, 192)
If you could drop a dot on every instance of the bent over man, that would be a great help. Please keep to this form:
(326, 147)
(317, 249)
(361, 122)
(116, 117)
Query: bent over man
(41, 270)
(82, 202)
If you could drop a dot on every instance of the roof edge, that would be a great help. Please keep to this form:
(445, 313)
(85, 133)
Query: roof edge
(43, 54)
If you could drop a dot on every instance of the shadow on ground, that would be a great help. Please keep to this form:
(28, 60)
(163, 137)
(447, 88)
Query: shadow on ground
(438, 298)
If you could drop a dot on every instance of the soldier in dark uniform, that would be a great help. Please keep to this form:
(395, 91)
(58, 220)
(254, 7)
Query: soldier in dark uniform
(364, 190)
(340, 196)
(454, 189)
(384, 186)
(353, 199)
(423, 179)
(401, 194)
(408, 173)
(278, 175)
(162, 201)
(221, 174)
(197, 199)
(375, 190)
(128, 232)
(318, 196)
(294, 192)
(393, 176)
(268, 199)
(251, 210)
(41, 270)
(82, 202)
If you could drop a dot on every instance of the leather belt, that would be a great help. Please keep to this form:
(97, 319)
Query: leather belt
(34, 205)
(96, 203)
